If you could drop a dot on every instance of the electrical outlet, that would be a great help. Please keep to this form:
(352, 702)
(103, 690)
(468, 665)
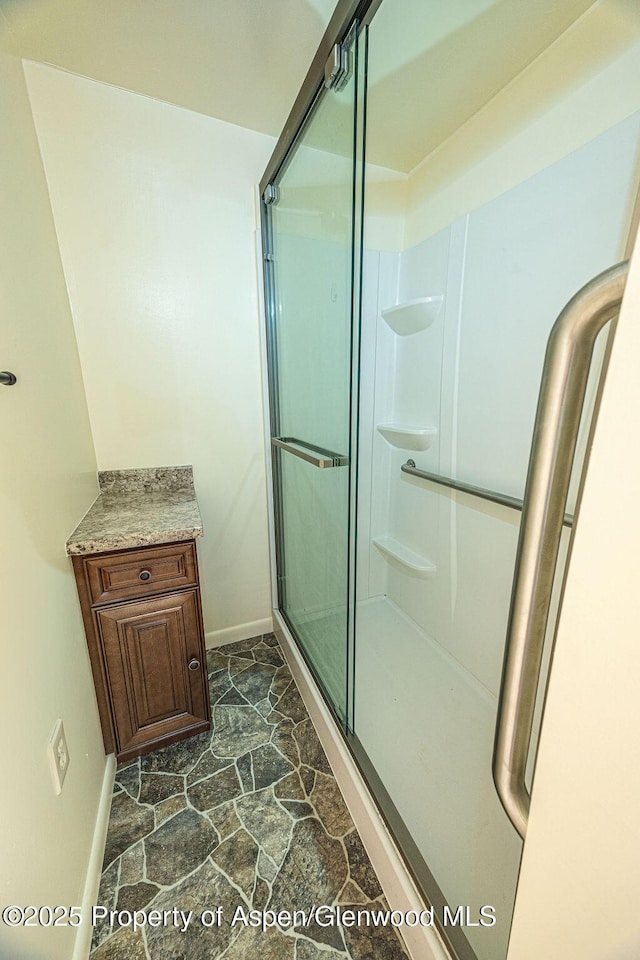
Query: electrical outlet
(58, 756)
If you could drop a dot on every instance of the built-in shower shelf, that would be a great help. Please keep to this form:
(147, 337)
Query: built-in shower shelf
(412, 316)
(407, 438)
(396, 552)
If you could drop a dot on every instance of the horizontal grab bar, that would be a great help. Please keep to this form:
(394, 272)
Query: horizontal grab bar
(318, 456)
(481, 492)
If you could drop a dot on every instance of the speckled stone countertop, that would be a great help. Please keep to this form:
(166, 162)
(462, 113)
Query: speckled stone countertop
(137, 508)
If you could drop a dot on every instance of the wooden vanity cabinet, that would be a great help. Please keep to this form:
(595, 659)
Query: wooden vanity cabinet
(143, 621)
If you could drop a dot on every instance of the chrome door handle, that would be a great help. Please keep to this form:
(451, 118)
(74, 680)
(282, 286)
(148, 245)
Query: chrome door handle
(312, 454)
(560, 403)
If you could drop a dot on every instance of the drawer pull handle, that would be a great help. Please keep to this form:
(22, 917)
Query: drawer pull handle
(194, 664)
(145, 575)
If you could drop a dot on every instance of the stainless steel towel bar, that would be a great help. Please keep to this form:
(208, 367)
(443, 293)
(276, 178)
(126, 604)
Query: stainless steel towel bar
(318, 456)
(560, 403)
(482, 492)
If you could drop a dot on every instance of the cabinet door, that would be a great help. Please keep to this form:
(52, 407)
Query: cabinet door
(156, 672)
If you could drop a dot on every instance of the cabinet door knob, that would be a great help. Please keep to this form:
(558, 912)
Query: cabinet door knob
(194, 664)
(145, 575)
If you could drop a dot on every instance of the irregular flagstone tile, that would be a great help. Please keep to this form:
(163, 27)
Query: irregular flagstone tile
(306, 950)
(129, 779)
(267, 822)
(270, 945)
(311, 751)
(255, 684)
(219, 686)
(281, 680)
(352, 894)
(261, 894)
(282, 738)
(264, 707)
(169, 807)
(205, 889)
(245, 772)
(370, 943)
(178, 846)
(297, 809)
(232, 696)
(132, 864)
(330, 806)
(269, 766)
(248, 837)
(314, 871)
(123, 945)
(237, 730)
(219, 788)
(136, 897)
(241, 648)
(206, 765)
(308, 777)
(270, 639)
(180, 757)
(156, 787)
(274, 718)
(216, 661)
(266, 654)
(266, 867)
(128, 823)
(290, 704)
(225, 819)
(237, 858)
(106, 898)
(124, 764)
(330, 936)
(290, 788)
(360, 868)
(238, 664)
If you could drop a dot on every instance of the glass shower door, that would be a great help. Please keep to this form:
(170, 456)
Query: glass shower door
(460, 292)
(310, 256)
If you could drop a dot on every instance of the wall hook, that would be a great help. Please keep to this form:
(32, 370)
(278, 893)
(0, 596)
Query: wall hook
(8, 379)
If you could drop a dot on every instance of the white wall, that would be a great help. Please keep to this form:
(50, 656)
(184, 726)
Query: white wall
(154, 209)
(580, 873)
(505, 271)
(47, 482)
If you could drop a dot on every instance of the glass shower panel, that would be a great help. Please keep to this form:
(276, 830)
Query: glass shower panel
(471, 252)
(311, 225)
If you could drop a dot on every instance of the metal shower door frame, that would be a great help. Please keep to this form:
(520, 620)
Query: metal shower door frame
(350, 33)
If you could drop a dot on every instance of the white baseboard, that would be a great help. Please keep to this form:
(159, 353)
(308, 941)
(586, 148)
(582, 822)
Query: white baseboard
(94, 869)
(422, 943)
(243, 631)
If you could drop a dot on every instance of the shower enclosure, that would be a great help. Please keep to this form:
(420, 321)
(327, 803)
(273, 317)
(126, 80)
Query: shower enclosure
(414, 267)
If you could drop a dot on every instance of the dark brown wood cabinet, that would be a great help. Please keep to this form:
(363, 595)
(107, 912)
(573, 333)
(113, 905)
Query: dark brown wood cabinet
(143, 622)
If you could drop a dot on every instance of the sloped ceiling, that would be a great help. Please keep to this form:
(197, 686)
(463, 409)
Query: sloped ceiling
(433, 65)
(238, 60)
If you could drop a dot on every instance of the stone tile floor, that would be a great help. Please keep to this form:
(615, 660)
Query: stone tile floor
(248, 816)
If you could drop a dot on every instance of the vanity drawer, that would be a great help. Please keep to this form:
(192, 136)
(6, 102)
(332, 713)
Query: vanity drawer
(130, 574)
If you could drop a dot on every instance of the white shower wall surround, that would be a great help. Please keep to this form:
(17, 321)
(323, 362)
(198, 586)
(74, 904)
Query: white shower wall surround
(505, 270)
